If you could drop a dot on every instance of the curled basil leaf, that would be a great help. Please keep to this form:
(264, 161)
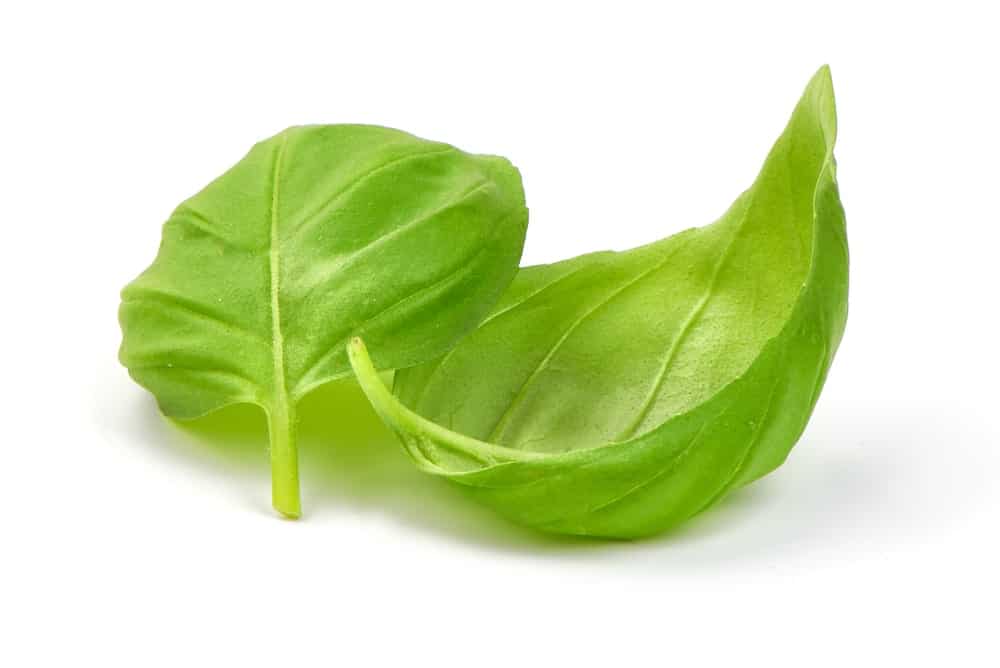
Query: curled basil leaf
(319, 234)
(617, 394)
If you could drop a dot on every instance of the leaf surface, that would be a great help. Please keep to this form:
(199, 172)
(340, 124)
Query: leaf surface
(319, 234)
(617, 394)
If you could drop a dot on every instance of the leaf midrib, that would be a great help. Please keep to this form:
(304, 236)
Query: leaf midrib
(280, 392)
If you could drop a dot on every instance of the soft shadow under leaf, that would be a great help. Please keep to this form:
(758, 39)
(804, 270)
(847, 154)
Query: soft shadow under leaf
(351, 461)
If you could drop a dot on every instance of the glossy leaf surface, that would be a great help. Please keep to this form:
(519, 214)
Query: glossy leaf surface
(617, 394)
(319, 234)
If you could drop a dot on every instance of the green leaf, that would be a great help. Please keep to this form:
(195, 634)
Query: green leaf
(617, 394)
(319, 234)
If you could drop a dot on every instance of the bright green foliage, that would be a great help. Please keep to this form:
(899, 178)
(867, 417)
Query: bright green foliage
(617, 394)
(319, 234)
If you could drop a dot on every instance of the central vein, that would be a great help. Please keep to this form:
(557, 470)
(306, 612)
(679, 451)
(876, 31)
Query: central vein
(280, 414)
(277, 339)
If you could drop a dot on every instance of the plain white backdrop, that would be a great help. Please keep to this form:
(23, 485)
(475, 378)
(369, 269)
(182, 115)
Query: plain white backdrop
(128, 541)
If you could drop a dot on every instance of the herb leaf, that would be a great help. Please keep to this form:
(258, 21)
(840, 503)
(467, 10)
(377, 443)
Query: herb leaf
(617, 394)
(319, 234)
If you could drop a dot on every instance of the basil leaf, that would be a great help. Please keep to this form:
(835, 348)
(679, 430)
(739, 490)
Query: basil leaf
(319, 234)
(617, 394)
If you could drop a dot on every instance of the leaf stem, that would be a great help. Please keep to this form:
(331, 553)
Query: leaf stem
(281, 416)
(404, 421)
(284, 461)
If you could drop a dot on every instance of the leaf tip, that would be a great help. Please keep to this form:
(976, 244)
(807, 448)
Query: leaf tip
(821, 100)
(822, 80)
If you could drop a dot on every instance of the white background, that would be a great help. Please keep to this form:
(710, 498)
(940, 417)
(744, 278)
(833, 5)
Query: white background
(128, 541)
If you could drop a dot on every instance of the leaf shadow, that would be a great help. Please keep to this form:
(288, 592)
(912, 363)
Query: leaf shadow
(351, 463)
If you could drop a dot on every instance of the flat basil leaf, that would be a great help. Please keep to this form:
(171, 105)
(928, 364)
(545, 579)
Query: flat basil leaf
(617, 394)
(319, 234)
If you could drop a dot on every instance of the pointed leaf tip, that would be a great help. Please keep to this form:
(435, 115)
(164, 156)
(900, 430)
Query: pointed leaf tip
(819, 97)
